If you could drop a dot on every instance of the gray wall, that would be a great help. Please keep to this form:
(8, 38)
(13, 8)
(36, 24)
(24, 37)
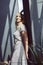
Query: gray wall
(36, 12)
(8, 10)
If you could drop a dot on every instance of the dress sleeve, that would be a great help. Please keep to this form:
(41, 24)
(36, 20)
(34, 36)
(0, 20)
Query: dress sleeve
(22, 28)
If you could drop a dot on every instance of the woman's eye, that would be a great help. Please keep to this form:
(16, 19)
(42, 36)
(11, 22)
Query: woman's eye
(18, 16)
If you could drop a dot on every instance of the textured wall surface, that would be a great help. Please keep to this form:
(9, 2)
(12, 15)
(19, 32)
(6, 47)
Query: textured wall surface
(8, 10)
(36, 12)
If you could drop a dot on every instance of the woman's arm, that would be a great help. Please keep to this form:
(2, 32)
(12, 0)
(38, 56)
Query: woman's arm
(25, 42)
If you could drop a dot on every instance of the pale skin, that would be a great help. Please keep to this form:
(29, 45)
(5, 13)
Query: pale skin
(23, 33)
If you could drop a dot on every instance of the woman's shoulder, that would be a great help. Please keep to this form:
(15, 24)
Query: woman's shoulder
(22, 27)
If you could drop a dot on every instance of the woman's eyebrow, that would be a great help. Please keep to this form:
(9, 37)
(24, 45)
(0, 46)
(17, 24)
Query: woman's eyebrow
(18, 16)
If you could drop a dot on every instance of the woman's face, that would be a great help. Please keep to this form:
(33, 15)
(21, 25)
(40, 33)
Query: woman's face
(18, 18)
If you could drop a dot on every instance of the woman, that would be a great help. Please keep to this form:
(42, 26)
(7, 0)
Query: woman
(20, 54)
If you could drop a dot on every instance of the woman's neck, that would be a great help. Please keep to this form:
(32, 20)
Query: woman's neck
(20, 23)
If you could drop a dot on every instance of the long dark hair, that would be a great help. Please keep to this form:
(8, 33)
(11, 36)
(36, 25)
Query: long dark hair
(22, 15)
